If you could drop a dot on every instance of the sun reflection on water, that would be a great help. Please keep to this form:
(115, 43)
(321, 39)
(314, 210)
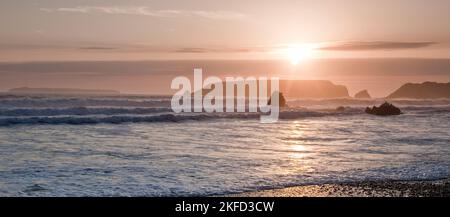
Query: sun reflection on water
(296, 146)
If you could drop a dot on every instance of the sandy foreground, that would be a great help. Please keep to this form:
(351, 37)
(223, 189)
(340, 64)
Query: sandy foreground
(438, 188)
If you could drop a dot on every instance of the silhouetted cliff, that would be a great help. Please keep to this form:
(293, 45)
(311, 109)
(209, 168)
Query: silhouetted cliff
(304, 89)
(312, 89)
(426, 90)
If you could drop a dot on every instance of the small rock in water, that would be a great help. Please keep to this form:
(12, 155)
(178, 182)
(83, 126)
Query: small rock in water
(281, 98)
(384, 110)
(340, 109)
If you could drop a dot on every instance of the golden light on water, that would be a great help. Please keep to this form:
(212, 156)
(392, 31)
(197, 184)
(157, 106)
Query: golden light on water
(299, 153)
(299, 150)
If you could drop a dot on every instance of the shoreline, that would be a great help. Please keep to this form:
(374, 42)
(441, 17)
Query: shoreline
(431, 188)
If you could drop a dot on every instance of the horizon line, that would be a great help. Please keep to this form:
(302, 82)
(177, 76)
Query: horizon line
(224, 59)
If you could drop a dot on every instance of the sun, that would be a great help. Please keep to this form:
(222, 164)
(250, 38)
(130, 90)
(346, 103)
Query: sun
(298, 53)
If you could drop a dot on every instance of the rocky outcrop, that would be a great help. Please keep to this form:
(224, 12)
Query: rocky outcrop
(384, 110)
(282, 100)
(426, 90)
(341, 109)
(363, 94)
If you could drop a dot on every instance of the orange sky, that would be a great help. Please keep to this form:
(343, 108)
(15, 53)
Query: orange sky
(408, 41)
(195, 29)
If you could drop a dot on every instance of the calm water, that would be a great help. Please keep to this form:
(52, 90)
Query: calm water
(133, 146)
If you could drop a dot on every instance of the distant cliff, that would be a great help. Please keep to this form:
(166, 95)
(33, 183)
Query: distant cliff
(304, 89)
(70, 91)
(426, 90)
(312, 89)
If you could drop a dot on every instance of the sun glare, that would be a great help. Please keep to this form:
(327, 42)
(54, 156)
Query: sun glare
(298, 53)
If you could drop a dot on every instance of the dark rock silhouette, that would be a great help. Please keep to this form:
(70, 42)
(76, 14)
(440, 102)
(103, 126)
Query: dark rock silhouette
(281, 98)
(312, 89)
(340, 109)
(383, 110)
(426, 90)
(301, 89)
(363, 94)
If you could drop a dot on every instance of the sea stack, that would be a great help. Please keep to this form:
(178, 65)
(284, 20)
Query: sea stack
(384, 109)
(281, 99)
(363, 94)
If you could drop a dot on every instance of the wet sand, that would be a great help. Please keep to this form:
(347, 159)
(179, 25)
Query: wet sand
(438, 188)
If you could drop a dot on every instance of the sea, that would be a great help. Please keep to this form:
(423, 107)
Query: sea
(134, 145)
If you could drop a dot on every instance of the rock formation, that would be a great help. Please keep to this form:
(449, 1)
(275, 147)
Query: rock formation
(383, 110)
(363, 94)
(302, 89)
(312, 89)
(282, 100)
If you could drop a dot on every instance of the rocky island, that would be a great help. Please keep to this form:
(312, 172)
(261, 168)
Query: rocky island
(363, 94)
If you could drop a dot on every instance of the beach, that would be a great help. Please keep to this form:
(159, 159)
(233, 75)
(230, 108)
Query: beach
(435, 188)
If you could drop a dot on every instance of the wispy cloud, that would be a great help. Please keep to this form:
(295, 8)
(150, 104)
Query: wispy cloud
(146, 11)
(218, 50)
(147, 48)
(326, 46)
(374, 45)
(97, 48)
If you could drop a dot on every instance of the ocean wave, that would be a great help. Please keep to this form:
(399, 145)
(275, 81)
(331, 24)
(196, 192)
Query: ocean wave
(120, 119)
(117, 115)
(82, 102)
(428, 109)
(368, 102)
(78, 111)
(155, 101)
(73, 120)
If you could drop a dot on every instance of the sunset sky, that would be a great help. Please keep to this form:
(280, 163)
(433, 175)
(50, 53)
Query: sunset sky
(358, 43)
(236, 29)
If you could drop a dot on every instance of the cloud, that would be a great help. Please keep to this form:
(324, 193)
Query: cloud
(326, 46)
(97, 48)
(275, 48)
(215, 50)
(191, 50)
(374, 45)
(145, 11)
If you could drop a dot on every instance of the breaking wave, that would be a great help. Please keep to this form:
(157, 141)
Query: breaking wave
(82, 102)
(80, 111)
(120, 119)
(118, 110)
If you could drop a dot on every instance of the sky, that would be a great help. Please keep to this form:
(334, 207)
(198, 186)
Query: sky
(213, 29)
(363, 44)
